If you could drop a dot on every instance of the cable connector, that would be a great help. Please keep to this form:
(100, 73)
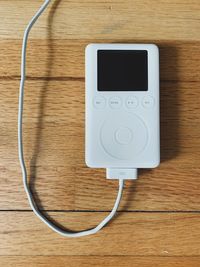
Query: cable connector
(115, 173)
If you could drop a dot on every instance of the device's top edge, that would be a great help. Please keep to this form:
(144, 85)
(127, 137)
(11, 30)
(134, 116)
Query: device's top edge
(97, 46)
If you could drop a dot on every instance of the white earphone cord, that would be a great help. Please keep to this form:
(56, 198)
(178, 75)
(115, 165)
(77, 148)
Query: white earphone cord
(21, 154)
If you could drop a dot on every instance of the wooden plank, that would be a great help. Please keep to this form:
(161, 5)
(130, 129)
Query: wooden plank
(65, 58)
(80, 188)
(106, 261)
(54, 148)
(136, 234)
(164, 20)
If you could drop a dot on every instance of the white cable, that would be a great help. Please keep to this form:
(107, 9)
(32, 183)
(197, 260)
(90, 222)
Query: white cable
(31, 200)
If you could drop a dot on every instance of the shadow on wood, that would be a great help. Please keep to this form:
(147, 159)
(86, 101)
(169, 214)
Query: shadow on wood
(42, 103)
(169, 103)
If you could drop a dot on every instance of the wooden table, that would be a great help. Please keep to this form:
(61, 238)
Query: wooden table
(159, 219)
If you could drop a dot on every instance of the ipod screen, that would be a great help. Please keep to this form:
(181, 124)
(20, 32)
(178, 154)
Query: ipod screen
(122, 70)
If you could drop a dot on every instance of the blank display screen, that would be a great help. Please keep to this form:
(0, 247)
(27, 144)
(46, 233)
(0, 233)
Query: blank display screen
(122, 70)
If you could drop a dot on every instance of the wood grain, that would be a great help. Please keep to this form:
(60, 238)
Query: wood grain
(158, 223)
(106, 261)
(165, 20)
(136, 234)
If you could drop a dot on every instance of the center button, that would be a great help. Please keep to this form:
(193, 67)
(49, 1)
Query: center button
(124, 136)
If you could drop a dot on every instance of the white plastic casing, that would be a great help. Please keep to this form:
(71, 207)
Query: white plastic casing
(122, 128)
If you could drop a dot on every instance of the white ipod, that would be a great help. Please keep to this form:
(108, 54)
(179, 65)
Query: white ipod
(122, 106)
